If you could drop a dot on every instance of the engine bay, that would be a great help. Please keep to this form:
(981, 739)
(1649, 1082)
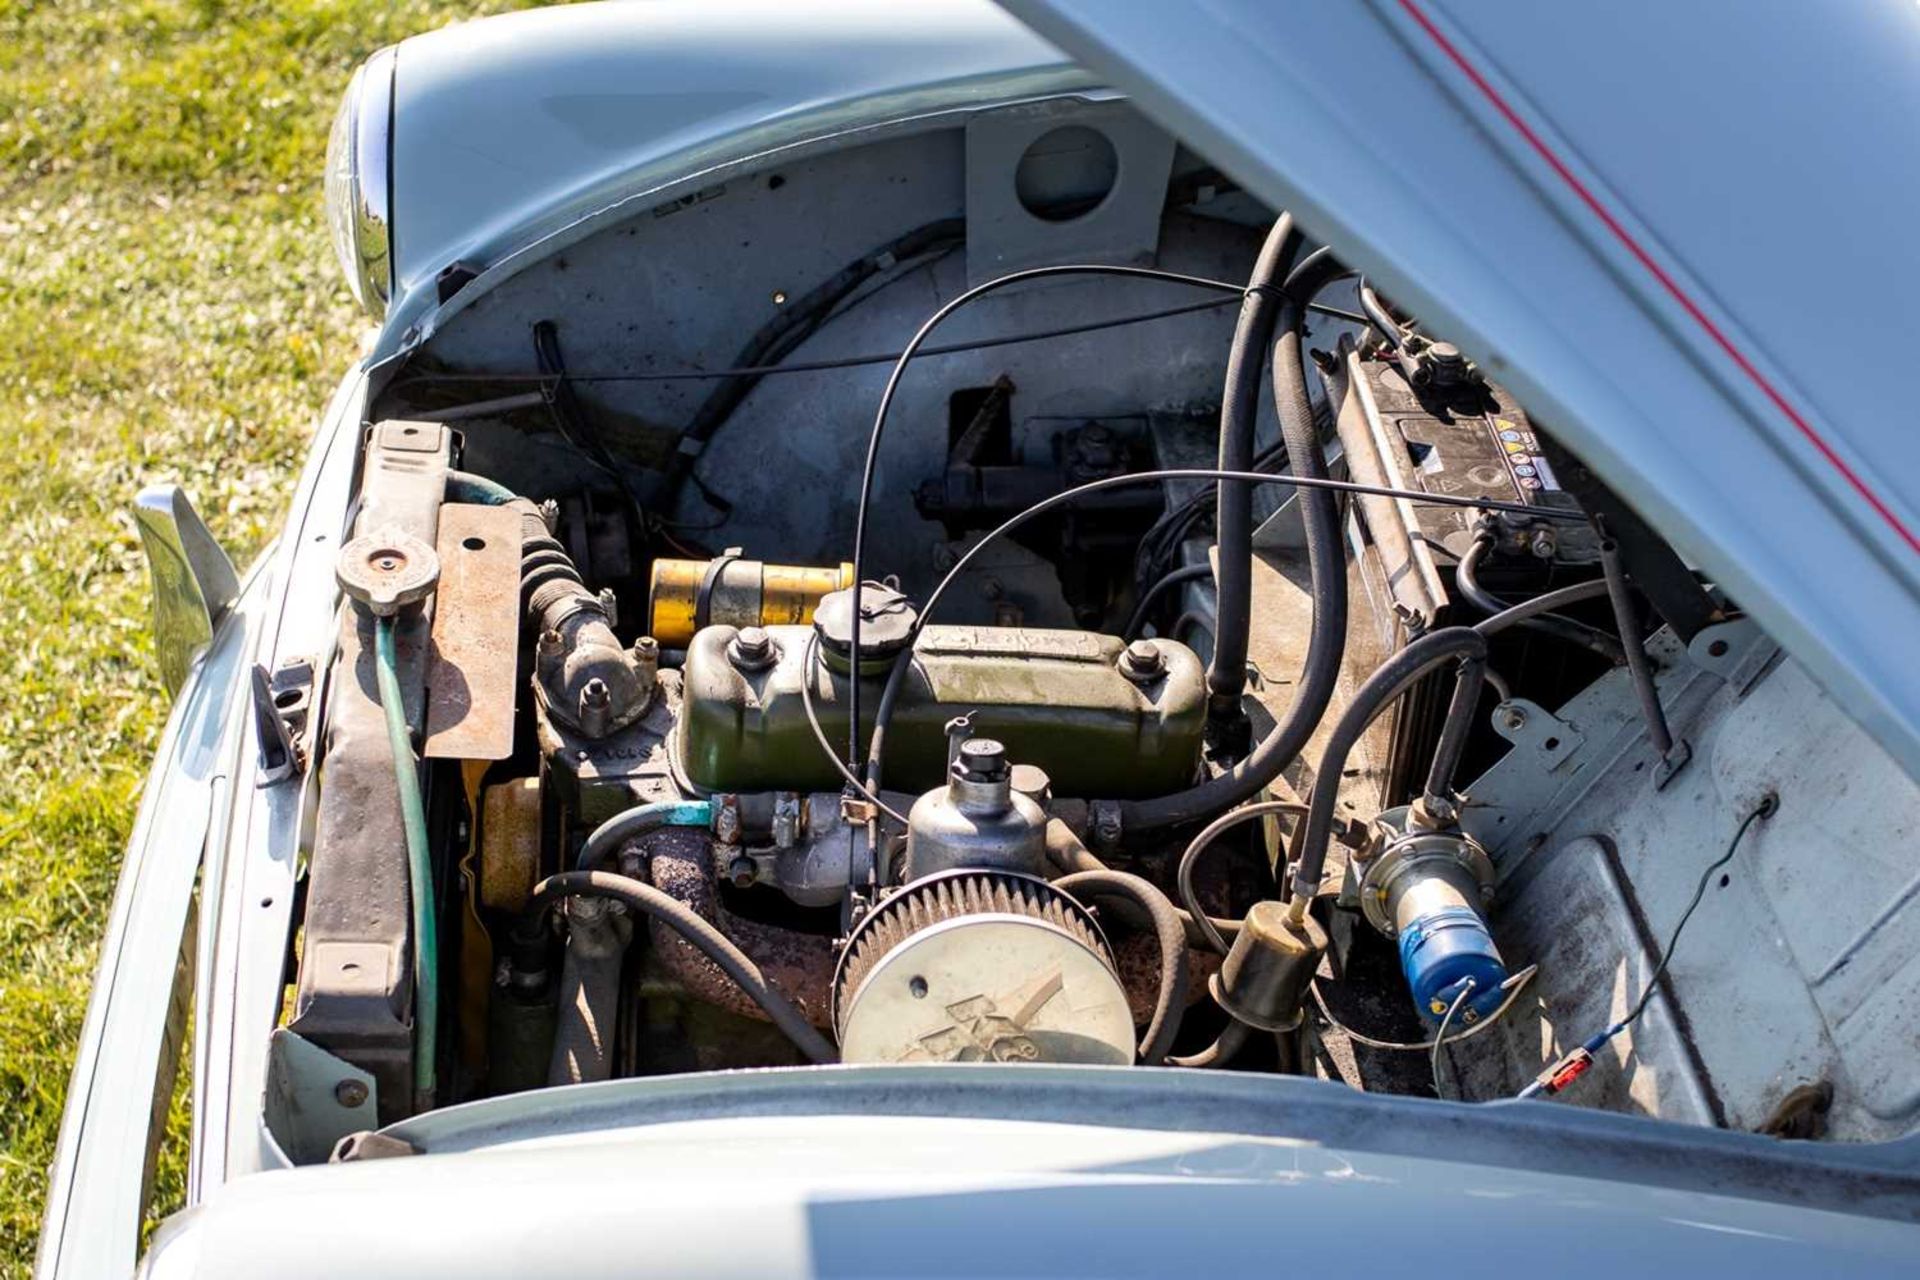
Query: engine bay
(998, 593)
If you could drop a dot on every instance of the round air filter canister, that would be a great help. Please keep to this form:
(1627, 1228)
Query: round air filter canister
(980, 966)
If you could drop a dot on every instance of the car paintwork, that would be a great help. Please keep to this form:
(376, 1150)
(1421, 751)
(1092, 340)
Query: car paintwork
(1067, 1171)
(516, 136)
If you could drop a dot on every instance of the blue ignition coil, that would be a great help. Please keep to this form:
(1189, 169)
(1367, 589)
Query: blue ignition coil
(1428, 890)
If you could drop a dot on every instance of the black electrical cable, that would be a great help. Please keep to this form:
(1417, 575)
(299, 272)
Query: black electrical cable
(870, 465)
(1466, 576)
(1233, 504)
(1378, 316)
(569, 419)
(1382, 689)
(1574, 1064)
(521, 378)
(716, 946)
(896, 679)
(1183, 874)
(1171, 1001)
(1153, 593)
(1768, 806)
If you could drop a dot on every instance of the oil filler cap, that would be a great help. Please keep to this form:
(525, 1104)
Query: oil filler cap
(886, 620)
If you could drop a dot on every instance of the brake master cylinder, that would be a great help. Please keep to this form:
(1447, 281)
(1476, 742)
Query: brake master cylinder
(1429, 888)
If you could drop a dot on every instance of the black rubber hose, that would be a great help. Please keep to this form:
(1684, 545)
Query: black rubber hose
(1466, 576)
(713, 944)
(1388, 682)
(1233, 503)
(1222, 1051)
(1327, 572)
(1514, 615)
(1454, 730)
(1172, 1000)
(1153, 593)
(606, 839)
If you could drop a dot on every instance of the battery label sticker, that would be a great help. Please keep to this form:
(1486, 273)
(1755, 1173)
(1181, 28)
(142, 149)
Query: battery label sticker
(1521, 448)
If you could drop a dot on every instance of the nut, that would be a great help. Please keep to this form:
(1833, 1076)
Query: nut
(596, 707)
(741, 872)
(726, 819)
(982, 759)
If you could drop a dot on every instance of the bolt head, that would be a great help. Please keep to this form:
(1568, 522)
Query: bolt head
(1513, 717)
(350, 1093)
(1142, 661)
(752, 649)
(740, 871)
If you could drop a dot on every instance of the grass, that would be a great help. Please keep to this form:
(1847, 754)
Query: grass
(172, 311)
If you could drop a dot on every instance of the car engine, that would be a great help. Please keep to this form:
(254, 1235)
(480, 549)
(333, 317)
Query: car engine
(1172, 654)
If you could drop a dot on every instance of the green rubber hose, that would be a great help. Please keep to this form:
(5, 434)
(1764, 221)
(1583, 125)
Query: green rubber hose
(413, 814)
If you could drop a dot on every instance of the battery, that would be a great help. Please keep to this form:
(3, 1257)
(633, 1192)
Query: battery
(1448, 431)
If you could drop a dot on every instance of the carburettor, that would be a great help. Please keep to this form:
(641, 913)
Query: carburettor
(977, 820)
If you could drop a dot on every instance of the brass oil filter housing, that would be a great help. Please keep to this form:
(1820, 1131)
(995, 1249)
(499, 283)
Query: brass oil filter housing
(686, 595)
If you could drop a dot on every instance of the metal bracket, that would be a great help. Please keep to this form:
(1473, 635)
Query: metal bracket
(314, 1099)
(279, 755)
(1737, 651)
(1530, 726)
(1672, 763)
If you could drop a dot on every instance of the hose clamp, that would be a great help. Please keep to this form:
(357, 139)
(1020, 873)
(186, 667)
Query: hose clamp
(703, 598)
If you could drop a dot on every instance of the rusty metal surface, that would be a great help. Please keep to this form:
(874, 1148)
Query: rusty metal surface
(355, 995)
(471, 670)
(800, 965)
(1136, 957)
(509, 843)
